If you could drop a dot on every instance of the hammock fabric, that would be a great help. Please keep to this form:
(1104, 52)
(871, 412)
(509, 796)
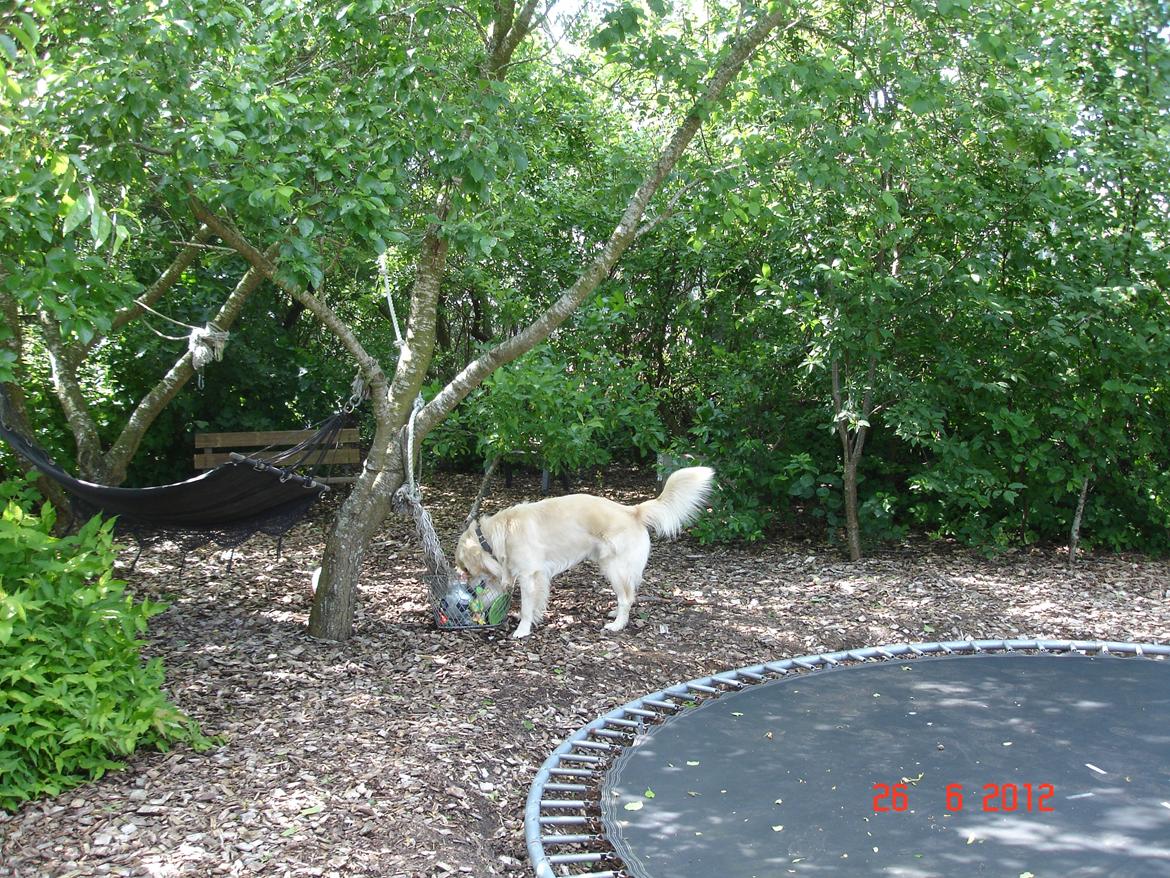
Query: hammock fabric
(226, 505)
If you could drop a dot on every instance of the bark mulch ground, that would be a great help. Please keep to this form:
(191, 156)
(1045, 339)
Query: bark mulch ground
(409, 752)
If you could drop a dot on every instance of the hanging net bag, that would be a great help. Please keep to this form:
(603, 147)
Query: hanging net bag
(456, 605)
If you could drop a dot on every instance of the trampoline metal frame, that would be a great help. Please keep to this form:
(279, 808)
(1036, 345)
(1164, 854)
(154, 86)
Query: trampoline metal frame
(564, 820)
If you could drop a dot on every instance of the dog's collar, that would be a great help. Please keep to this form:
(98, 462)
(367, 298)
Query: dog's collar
(483, 541)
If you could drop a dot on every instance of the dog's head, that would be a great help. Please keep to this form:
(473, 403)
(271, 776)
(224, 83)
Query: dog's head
(472, 561)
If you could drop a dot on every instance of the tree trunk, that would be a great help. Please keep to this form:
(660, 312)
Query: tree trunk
(1074, 536)
(852, 447)
(358, 520)
(852, 521)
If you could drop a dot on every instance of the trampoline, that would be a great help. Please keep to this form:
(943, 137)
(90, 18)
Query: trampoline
(997, 758)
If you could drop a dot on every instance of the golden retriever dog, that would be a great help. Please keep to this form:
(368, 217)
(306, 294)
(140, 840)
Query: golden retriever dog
(530, 543)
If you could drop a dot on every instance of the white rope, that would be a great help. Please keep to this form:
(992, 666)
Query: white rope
(409, 494)
(141, 304)
(206, 344)
(359, 390)
(384, 273)
(410, 480)
(163, 335)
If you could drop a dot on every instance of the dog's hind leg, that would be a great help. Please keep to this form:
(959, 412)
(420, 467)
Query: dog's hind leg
(625, 587)
(626, 594)
(623, 568)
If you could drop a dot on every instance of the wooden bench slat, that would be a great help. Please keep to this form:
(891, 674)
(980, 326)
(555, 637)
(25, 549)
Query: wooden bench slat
(208, 460)
(262, 439)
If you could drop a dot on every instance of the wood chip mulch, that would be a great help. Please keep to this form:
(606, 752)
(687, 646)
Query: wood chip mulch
(409, 752)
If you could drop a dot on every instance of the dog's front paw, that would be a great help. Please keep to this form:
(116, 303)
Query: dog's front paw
(521, 631)
(614, 626)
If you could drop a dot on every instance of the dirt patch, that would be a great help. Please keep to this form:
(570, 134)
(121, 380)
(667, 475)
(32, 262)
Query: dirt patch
(409, 752)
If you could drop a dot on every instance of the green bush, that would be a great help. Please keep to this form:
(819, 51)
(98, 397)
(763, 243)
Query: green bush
(576, 415)
(75, 694)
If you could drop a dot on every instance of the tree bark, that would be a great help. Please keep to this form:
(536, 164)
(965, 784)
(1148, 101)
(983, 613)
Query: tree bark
(1074, 536)
(115, 461)
(852, 447)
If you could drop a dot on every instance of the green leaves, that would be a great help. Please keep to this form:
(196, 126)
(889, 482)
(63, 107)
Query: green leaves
(619, 25)
(74, 692)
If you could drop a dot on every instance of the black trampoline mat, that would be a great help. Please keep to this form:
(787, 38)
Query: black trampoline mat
(778, 779)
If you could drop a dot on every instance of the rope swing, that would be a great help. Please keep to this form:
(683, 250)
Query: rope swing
(456, 605)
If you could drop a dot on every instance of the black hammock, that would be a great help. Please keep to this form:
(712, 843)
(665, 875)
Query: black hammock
(226, 505)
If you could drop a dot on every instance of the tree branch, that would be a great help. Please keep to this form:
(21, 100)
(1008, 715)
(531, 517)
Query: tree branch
(592, 274)
(156, 290)
(370, 368)
(168, 387)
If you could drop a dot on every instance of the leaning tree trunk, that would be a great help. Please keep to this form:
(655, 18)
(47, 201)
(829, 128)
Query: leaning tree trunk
(358, 520)
(364, 510)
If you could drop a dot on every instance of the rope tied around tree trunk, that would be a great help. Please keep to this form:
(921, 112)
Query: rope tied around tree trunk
(409, 498)
(206, 344)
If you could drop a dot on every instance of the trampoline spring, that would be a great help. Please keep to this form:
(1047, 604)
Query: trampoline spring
(554, 840)
(753, 676)
(625, 723)
(637, 711)
(573, 772)
(660, 705)
(575, 757)
(564, 804)
(567, 787)
(563, 821)
(699, 687)
(565, 859)
(727, 681)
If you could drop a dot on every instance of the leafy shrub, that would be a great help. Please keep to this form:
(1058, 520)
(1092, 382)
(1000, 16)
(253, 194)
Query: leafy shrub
(75, 694)
(749, 472)
(575, 415)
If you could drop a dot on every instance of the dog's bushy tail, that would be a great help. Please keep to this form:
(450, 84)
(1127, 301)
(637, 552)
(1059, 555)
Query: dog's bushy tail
(679, 503)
